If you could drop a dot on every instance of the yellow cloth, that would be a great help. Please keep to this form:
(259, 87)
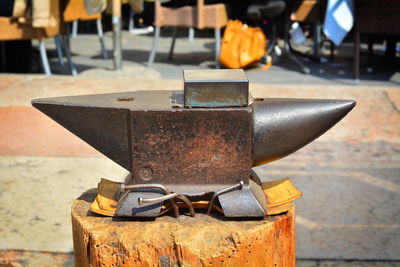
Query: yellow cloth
(280, 194)
(107, 197)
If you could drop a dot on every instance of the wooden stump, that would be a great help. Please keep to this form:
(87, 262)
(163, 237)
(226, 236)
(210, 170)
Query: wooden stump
(185, 241)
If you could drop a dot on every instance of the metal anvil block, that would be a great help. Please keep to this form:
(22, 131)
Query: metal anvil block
(194, 149)
(217, 88)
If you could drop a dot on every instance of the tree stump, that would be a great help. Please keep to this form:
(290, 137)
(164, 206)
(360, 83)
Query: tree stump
(185, 241)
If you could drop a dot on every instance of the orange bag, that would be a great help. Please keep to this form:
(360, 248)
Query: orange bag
(242, 46)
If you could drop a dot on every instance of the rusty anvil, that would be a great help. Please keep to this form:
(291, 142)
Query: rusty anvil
(198, 143)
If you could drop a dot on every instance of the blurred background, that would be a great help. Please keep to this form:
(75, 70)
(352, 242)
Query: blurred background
(349, 214)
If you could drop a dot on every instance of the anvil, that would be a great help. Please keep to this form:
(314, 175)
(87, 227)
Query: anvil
(197, 143)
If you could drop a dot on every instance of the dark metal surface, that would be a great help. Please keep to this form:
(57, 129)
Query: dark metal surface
(103, 120)
(128, 205)
(105, 129)
(160, 187)
(225, 190)
(191, 147)
(282, 126)
(248, 202)
(215, 88)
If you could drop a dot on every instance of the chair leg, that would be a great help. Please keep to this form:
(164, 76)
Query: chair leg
(59, 50)
(273, 39)
(131, 21)
(72, 67)
(317, 38)
(191, 35)
(74, 29)
(171, 49)
(43, 56)
(217, 47)
(154, 47)
(356, 55)
(370, 50)
(101, 38)
(2, 57)
(332, 50)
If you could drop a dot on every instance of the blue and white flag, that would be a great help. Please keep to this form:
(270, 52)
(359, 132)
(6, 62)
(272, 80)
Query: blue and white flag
(339, 20)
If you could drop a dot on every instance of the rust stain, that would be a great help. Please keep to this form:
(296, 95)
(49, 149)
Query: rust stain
(125, 99)
(192, 147)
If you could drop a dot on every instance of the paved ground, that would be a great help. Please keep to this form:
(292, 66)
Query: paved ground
(350, 176)
(200, 54)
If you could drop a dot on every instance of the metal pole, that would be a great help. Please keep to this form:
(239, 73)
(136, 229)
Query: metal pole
(317, 38)
(217, 47)
(191, 34)
(131, 21)
(57, 40)
(154, 47)
(116, 24)
(171, 50)
(74, 29)
(66, 43)
(43, 55)
(101, 38)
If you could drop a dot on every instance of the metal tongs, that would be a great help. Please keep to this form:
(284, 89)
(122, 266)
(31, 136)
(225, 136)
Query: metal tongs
(125, 189)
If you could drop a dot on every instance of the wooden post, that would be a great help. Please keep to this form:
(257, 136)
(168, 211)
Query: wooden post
(185, 241)
(116, 25)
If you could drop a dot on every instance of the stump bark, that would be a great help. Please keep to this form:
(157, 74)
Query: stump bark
(185, 241)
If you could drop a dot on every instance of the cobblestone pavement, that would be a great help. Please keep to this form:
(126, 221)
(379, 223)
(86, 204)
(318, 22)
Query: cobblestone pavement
(350, 176)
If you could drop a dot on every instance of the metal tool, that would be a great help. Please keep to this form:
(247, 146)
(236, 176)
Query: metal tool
(196, 143)
(223, 191)
(156, 186)
(142, 200)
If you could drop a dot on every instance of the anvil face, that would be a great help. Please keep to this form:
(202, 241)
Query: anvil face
(192, 150)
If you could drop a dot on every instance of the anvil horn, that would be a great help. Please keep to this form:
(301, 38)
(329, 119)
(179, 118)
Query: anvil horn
(99, 120)
(282, 126)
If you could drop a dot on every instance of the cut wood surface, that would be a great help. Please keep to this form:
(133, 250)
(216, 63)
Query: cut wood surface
(184, 241)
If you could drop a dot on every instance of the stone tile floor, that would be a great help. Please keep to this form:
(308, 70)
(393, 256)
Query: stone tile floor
(350, 211)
